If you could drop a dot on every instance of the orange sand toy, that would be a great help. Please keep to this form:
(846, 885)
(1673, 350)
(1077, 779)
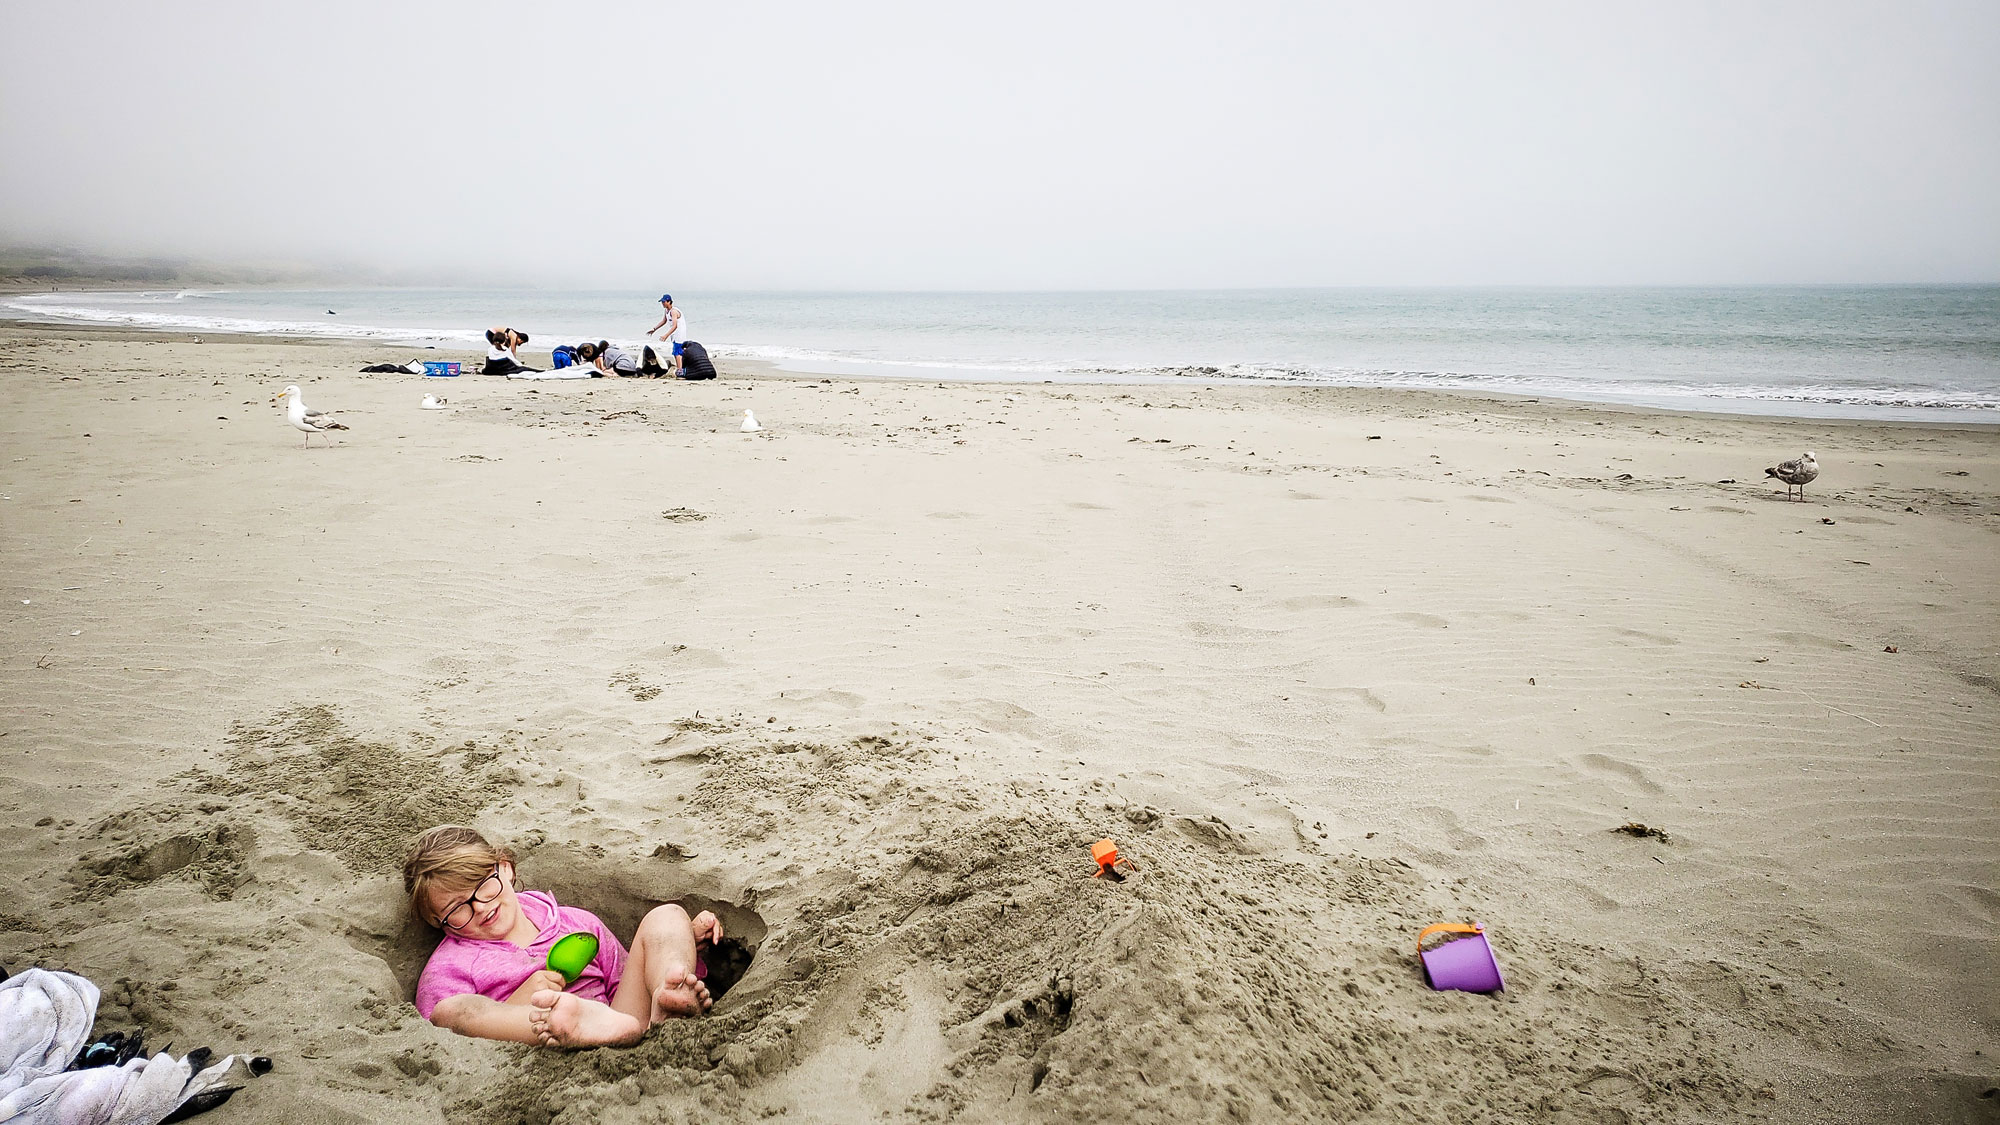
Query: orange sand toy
(1105, 853)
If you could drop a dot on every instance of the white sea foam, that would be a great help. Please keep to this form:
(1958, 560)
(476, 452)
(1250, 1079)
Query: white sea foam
(1902, 398)
(177, 321)
(779, 355)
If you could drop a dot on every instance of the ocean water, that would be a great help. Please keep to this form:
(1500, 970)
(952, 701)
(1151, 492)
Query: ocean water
(1883, 352)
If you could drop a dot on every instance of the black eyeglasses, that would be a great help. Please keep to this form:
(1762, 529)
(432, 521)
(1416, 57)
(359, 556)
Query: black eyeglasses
(487, 890)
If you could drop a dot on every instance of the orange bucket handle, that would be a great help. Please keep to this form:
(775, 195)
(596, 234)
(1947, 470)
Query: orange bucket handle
(1106, 854)
(1447, 928)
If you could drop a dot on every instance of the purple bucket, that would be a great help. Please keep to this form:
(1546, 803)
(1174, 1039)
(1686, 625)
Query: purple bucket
(1464, 965)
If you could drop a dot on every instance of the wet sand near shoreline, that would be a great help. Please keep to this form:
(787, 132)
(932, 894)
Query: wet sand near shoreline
(1329, 664)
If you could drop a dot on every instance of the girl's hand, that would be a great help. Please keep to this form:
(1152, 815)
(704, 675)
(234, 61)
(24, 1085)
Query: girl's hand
(707, 928)
(545, 978)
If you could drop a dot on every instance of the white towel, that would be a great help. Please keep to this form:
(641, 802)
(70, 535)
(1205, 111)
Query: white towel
(45, 1020)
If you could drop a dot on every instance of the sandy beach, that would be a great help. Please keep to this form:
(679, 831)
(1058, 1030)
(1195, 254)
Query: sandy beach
(1329, 665)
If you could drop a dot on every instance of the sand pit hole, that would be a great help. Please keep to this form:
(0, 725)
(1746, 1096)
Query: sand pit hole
(623, 891)
(623, 910)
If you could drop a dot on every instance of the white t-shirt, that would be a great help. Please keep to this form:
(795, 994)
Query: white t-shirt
(680, 334)
(496, 351)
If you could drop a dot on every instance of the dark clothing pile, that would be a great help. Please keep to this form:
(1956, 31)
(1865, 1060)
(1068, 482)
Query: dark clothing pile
(694, 362)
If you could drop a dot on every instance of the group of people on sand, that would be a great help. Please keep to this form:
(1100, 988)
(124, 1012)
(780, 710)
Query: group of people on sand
(603, 358)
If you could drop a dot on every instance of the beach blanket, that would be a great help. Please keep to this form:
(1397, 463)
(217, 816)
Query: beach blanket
(45, 1020)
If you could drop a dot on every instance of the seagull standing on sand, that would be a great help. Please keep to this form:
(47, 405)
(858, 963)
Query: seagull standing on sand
(750, 425)
(310, 421)
(1800, 472)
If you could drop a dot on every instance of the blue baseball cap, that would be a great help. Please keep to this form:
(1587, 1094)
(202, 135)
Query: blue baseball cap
(665, 297)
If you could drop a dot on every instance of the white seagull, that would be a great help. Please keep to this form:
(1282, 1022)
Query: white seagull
(1800, 472)
(750, 425)
(304, 419)
(433, 402)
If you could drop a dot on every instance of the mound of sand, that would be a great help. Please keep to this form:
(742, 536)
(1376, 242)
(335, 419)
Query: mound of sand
(930, 941)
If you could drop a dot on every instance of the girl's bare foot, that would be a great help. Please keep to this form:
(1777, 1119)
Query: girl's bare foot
(680, 995)
(563, 1020)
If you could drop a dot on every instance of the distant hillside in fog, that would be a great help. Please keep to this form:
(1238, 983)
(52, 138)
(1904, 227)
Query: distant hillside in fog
(44, 267)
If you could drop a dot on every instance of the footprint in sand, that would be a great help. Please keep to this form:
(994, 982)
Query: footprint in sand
(1605, 763)
(997, 716)
(1611, 1085)
(1213, 630)
(1442, 824)
(1320, 601)
(1425, 620)
(1575, 1113)
(1723, 987)
(1982, 902)
(1363, 695)
(631, 682)
(447, 665)
(833, 696)
(1642, 635)
(1515, 615)
(1811, 640)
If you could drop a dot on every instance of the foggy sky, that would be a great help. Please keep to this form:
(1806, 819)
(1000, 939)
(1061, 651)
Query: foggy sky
(732, 144)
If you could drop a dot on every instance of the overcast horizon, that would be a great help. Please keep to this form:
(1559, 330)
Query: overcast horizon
(907, 147)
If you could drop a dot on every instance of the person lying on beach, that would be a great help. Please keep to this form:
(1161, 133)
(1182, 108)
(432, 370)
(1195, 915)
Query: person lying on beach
(608, 358)
(501, 357)
(489, 976)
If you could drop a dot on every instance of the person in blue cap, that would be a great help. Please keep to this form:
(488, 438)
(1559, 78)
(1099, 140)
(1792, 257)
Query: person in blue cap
(677, 335)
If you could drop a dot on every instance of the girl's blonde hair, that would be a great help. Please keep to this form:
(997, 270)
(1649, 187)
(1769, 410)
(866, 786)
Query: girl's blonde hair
(450, 855)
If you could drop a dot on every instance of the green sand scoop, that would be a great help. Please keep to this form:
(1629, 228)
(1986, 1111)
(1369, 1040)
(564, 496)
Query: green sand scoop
(572, 954)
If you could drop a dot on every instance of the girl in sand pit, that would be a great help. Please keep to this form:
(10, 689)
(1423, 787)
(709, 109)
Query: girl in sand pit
(489, 976)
